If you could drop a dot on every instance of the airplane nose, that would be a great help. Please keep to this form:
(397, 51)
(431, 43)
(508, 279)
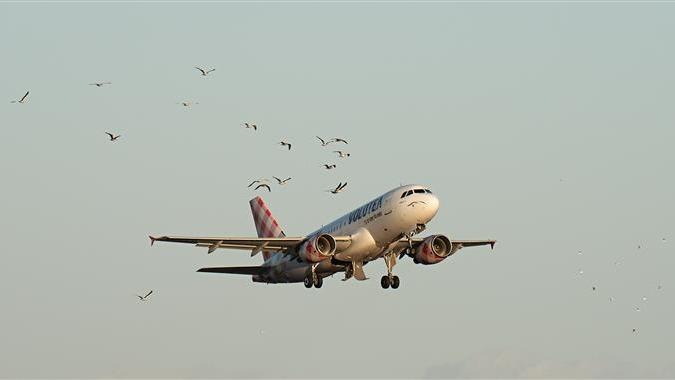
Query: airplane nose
(433, 205)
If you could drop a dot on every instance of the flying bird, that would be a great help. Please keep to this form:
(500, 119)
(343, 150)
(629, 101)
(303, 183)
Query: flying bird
(329, 166)
(23, 98)
(342, 154)
(323, 142)
(187, 103)
(594, 288)
(282, 181)
(113, 137)
(338, 188)
(265, 186)
(261, 180)
(204, 71)
(284, 143)
(337, 139)
(247, 125)
(99, 84)
(145, 297)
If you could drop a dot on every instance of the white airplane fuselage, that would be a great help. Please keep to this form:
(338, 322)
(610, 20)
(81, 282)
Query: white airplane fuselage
(373, 228)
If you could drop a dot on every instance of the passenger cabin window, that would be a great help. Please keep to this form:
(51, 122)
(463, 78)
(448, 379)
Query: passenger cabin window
(419, 191)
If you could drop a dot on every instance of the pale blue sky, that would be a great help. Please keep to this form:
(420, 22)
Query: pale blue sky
(545, 126)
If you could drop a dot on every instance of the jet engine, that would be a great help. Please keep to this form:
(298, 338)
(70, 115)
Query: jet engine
(317, 248)
(433, 250)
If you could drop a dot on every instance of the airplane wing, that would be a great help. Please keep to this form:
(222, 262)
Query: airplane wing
(456, 244)
(235, 270)
(255, 245)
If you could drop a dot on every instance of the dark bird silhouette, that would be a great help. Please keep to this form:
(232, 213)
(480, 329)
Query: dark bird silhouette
(99, 84)
(204, 71)
(113, 137)
(265, 186)
(337, 139)
(342, 154)
(261, 180)
(323, 142)
(329, 166)
(284, 143)
(338, 188)
(145, 297)
(187, 103)
(282, 181)
(23, 98)
(247, 125)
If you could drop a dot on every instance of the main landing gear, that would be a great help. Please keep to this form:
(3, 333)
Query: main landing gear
(390, 279)
(313, 279)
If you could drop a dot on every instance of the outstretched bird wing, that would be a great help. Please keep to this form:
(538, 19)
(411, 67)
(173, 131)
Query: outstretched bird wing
(149, 293)
(200, 69)
(111, 135)
(265, 186)
(24, 97)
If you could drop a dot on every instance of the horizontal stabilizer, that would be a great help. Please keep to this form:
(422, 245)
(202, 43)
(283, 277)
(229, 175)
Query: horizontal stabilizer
(235, 270)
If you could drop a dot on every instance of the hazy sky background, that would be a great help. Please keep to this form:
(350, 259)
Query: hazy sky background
(548, 127)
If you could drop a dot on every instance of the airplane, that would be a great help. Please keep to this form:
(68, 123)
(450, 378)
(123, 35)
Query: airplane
(382, 228)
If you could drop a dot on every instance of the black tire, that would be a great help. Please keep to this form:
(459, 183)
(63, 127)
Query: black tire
(385, 282)
(319, 282)
(395, 282)
(308, 282)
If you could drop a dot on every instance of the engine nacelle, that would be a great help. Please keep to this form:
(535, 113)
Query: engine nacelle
(318, 248)
(433, 250)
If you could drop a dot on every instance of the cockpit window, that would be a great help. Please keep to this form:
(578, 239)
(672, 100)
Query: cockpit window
(428, 191)
(419, 191)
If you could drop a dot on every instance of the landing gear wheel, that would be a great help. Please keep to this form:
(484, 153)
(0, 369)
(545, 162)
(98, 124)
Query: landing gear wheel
(308, 282)
(318, 282)
(395, 282)
(385, 282)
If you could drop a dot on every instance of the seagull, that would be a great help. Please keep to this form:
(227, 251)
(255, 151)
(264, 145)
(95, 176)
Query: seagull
(113, 137)
(662, 239)
(635, 331)
(282, 182)
(204, 71)
(99, 84)
(342, 154)
(659, 287)
(284, 143)
(337, 139)
(23, 98)
(413, 203)
(611, 299)
(338, 188)
(247, 125)
(187, 103)
(261, 180)
(324, 142)
(637, 308)
(579, 252)
(145, 297)
(594, 288)
(263, 185)
(329, 166)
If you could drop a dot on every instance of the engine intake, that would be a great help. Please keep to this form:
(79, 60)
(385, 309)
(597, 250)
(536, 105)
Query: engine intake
(433, 250)
(318, 248)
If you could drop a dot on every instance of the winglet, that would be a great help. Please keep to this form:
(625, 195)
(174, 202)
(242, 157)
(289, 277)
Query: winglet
(152, 240)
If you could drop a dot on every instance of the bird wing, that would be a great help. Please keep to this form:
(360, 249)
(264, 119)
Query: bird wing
(320, 139)
(200, 69)
(336, 139)
(252, 183)
(277, 178)
(149, 293)
(24, 97)
(343, 186)
(110, 134)
(263, 185)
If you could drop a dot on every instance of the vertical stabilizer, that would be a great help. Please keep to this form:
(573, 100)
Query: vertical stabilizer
(265, 223)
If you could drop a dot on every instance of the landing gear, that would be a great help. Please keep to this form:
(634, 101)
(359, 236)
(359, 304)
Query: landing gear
(395, 282)
(390, 279)
(318, 282)
(308, 282)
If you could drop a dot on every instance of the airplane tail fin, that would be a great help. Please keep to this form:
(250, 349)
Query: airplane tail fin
(265, 223)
